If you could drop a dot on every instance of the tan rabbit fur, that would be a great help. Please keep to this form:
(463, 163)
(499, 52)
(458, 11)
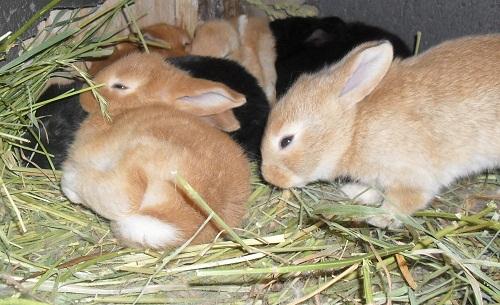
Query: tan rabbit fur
(408, 128)
(247, 40)
(125, 171)
(140, 78)
(178, 40)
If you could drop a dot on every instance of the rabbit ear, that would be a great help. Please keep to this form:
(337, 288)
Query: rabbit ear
(148, 36)
(318, 38)
(204, 97)
(363, 69)
(225, 121)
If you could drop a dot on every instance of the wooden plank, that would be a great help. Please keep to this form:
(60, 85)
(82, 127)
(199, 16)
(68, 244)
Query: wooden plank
(186, 14)
(214, 9)
(231, 8)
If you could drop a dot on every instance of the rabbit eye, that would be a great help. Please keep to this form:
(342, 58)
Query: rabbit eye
(285, 141)
(119, 86)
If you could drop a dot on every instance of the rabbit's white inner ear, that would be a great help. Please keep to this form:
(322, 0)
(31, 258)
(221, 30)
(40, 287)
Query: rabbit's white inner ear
(367, 70)
(209, 102)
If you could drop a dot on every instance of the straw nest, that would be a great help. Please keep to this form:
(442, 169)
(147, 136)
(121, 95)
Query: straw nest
(296, 246)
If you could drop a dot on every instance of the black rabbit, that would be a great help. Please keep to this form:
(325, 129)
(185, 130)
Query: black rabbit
(58, 123)
(307, 44)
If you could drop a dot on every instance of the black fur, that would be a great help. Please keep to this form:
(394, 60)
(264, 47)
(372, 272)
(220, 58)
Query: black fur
(58, 122)
(307, 44)
(252, 115)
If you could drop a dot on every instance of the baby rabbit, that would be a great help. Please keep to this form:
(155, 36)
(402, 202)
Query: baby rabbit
(247, 40)
(252, 116)
(408, 127)
(175, 37)
(307, 44)
(145, 77)
(126, 172)
(58, 122)
(141, 78)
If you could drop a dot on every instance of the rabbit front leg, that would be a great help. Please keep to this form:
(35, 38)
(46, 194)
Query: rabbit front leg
(69, 183)
(402, 200)
(362, 193)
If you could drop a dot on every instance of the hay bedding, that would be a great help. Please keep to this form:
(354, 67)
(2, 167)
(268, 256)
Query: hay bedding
(304, 245)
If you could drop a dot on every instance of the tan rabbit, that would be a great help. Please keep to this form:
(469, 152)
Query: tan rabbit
(247, 40)
(177, 39)
(408, 127)
(125, 171)
(141, 77)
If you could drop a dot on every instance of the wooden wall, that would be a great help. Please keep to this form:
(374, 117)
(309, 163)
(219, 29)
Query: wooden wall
(186, 13)
(183, 13)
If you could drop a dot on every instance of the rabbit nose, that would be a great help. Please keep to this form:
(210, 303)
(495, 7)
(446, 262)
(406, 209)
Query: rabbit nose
(276, 175)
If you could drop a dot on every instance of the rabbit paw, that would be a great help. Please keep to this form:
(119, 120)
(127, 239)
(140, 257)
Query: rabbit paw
(68, 185)
(72, 196)
(368, 196)
(384, 221)
(362, 194)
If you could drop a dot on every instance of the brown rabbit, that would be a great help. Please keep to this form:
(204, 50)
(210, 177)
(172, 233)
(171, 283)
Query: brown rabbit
(247, 40)
(408, 127)
(141, 77)
(178, 40)
(125, 171)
